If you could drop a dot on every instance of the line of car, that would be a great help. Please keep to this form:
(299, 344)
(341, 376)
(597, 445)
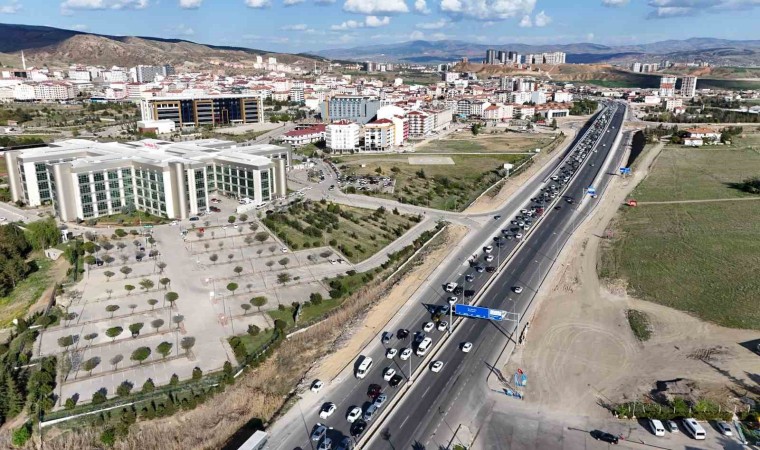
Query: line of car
(692, 427)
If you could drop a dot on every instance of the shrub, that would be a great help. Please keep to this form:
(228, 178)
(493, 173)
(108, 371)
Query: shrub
(22, 434)
(100, 396)
(197, 373)
(108, 437)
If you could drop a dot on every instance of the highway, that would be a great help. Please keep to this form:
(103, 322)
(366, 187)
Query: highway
(410, 420)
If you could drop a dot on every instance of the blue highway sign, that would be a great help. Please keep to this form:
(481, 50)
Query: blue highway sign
(479, 312)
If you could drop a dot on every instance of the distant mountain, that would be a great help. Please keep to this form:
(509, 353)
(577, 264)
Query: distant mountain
(719, 50)
(49, 46)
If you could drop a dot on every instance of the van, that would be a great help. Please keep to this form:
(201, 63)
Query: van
(364, 367)
(695, 430)
(424, 346)
(656, 427)
(370, 413)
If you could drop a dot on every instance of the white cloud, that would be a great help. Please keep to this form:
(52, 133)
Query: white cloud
(374, 7)
(421, 7)
(439, 36)
(190, 4)
(664, 9)
(417, 35)
(525, 22)
(69, 5)
(542, 20)
(590, 37)
(375, 22)
(292, 2)
(182, 30)
(296, 27)
(258, 4)
(614, 3)
(488, 9)
(437, 25)
(347, 25)
(11, 8)
(80, 27)
(324, 2)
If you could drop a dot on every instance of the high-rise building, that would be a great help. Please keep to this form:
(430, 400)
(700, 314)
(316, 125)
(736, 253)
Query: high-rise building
(148, 74)
(502, 57)
(689, 86)
(490, 56)
(191, 110)
(355, 108)
(667, 86)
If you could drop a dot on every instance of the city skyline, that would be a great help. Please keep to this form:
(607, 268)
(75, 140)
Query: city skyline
(309, 25)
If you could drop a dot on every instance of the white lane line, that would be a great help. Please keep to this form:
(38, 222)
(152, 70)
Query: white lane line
(402, 423)
(426, 391)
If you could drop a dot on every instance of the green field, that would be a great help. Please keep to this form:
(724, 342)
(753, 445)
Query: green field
(486, 142)
(27, 291)
(441, 186)
(358, 233)
(702, 258)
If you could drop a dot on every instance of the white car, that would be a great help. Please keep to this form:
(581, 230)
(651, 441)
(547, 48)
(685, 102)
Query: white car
(518, 236)
(489, 258)
(405, 354)
(391, 353)
(354, 414)
(327, 410)
(436, 366)
(452, 300)
(388, 373)
(656, 427)
(466, 347)
(443, 325)
(517, 289)
(725, 430)
(488, 248)
(428, 327)
(284, 250)
(174, 222)
(317, 386)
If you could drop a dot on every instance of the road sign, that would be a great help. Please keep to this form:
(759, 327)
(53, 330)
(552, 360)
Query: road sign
(479, 312)
(147, 226)
(625, 171)
(591, 190)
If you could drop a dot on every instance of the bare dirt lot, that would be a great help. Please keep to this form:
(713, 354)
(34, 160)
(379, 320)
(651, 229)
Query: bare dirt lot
(581, 351)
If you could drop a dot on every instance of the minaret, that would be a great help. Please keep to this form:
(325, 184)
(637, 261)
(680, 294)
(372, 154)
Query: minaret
(23, 60)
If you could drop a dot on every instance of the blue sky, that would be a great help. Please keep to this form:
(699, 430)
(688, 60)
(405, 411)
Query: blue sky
(302, 25)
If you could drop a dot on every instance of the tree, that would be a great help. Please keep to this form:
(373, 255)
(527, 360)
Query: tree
(67, 341)
(284, 262)
(152, 302)
(232, 287)
(315, 298)
(148, 386)
(126, 270)
(90, 260)
(269, 264)
(187, 343)
(165, 282)
(164, 349)
(171, 297)
(230, 256)
(283, 278)
(554, 124)
(100, 396)
(174, 380)
(124, 388)
(238, 270)
(231, 219)
(157, 323)
(258, 302)
(112, 309)
(71, 402)
(272, 248)
(253, 330)
(135, 328)
(114, 332)
(129, 288)
(132, 306)
(91, 364)
(140, 355)
(243, 218)
(161, 266)
(261, 237)
(280, 324)
(246, 307)
(108, 275)
(248, 240)
(89, 337)
(253, 226)
(213, 258)
(177, 319)
(197, 373)
(146, 284)
(115, 360)
(42, 234)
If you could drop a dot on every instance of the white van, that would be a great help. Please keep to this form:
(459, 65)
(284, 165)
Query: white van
(695, 430)
(656, 427)
(424, 346)
(364, 367)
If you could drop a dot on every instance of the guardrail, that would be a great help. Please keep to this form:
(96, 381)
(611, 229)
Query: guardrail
(373, 428)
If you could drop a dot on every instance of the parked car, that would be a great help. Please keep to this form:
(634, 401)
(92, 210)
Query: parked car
(354, 414)
(657, 428)
(391, 353)
(317, 386)
(405, 354)
(373, 391)
(318, 432)
(672, 426)
(358, 427)
(724, 428)
(395, 380)
(605, 437)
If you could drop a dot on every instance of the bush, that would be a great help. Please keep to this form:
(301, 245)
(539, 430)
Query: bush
(100, 396)
(124, 389)
(315, 298)
(22, 434)
(148, 386)
(174, 380)
(197, 373)
(108, 437)
(640, 325)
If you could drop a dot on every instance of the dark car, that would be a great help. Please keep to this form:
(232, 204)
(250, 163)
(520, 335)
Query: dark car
(395, 380)
(603, 436)
(386, 337)
(419, 337)
(443, 309)
(469, 293)
(358, 427)
(480, 269)
(458, 290)
(374, 391)
(496, 217)
(402, 334)
(490, 269)
(99, 261)
(215, 209)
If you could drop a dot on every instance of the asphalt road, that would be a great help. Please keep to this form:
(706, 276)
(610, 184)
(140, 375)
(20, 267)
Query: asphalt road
(412, 417)
(423, 409)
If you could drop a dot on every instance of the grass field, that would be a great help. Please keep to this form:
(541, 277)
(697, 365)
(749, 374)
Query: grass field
(358, 233)
(702, 258)
(27, 291)
(445, 186)
(484, 142)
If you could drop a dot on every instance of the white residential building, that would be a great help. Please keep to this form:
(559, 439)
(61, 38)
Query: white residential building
(563, 97)
(667, 86)
(342, 136)
(420, 123)
(299, 138)
(672, 103)
(379, 135)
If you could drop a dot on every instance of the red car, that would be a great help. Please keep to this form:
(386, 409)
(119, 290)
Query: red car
(373, 391)
(215, 209)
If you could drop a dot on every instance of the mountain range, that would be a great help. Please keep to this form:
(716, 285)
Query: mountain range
(719, 51)
(51, 46)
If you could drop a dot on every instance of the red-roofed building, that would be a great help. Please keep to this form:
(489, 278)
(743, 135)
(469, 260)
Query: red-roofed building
(299, 138)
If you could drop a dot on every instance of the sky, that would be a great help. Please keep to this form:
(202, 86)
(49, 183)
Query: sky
(304, 25)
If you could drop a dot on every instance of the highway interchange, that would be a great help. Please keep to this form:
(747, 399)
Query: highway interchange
(411, 421)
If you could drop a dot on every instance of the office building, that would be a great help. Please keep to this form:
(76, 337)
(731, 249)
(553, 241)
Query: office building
(355, 108)
(342, 136)
(197, 110)
(667, 86)
(503, 57)
(689, 87)
(86, 180)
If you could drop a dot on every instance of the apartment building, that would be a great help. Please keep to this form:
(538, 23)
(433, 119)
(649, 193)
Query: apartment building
(198, 110)
(667, 86)
(420, 123)
(356, 108)
(688, 87)
(85, 179)
(342, 136)
(379, 135)
(54, 91)
(299, 138)
(148, 74)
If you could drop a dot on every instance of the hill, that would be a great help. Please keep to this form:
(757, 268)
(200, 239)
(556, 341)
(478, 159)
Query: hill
(53, 46)
(717, 51)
